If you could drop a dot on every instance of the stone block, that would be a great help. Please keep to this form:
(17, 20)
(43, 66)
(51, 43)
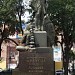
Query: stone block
(37, 62)
(41, 38)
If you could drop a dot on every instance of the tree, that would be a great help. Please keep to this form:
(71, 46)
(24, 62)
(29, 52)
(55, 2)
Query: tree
(72, 59)
(20, 11)
(8, 19)
(62, 14)
(8, 12)
(38, 8)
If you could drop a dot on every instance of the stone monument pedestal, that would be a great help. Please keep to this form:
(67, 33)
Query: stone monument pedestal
(35, 61)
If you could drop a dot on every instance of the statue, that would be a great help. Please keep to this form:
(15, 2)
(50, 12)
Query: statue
(49, 28)
(42, 20)
(28, 38)
(38, 7)
(36, 48)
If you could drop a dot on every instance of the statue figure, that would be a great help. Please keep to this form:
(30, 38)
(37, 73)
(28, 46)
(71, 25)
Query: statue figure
(38, 7)
(42, 20)
(49, 28)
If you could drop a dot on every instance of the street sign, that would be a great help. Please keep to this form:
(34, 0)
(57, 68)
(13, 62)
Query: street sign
(57, 54)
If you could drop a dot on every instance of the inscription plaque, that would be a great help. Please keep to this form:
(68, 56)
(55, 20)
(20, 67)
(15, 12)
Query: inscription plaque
(37, 62)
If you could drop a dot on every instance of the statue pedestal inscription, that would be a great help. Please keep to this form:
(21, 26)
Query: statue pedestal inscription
(37, 62)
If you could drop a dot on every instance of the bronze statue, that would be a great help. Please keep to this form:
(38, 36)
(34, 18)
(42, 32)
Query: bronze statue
(38, 7)
(49, 28)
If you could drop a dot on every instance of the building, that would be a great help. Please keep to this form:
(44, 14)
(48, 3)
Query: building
(9, 55)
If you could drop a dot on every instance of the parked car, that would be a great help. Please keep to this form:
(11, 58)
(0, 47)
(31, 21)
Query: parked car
(59, 72)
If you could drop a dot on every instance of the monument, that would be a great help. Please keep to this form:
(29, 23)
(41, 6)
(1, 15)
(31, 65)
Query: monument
(36, 56)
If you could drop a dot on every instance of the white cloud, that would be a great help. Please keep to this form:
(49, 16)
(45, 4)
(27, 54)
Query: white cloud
(25, 17)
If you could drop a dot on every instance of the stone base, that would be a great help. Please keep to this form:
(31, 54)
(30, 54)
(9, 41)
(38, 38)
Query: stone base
(18, 72)
(37, 62)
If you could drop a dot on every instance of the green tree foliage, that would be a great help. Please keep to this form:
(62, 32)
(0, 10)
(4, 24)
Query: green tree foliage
(62, 15)
(8, 12)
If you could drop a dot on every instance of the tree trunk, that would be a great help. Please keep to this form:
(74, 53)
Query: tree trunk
(0, 50)
(11, 40)
(20, 23)
(4, 39)
(0, 46)
(66, 60)
(66, 66)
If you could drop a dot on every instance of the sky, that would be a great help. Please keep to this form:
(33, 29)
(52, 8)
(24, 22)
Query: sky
(25, 17)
